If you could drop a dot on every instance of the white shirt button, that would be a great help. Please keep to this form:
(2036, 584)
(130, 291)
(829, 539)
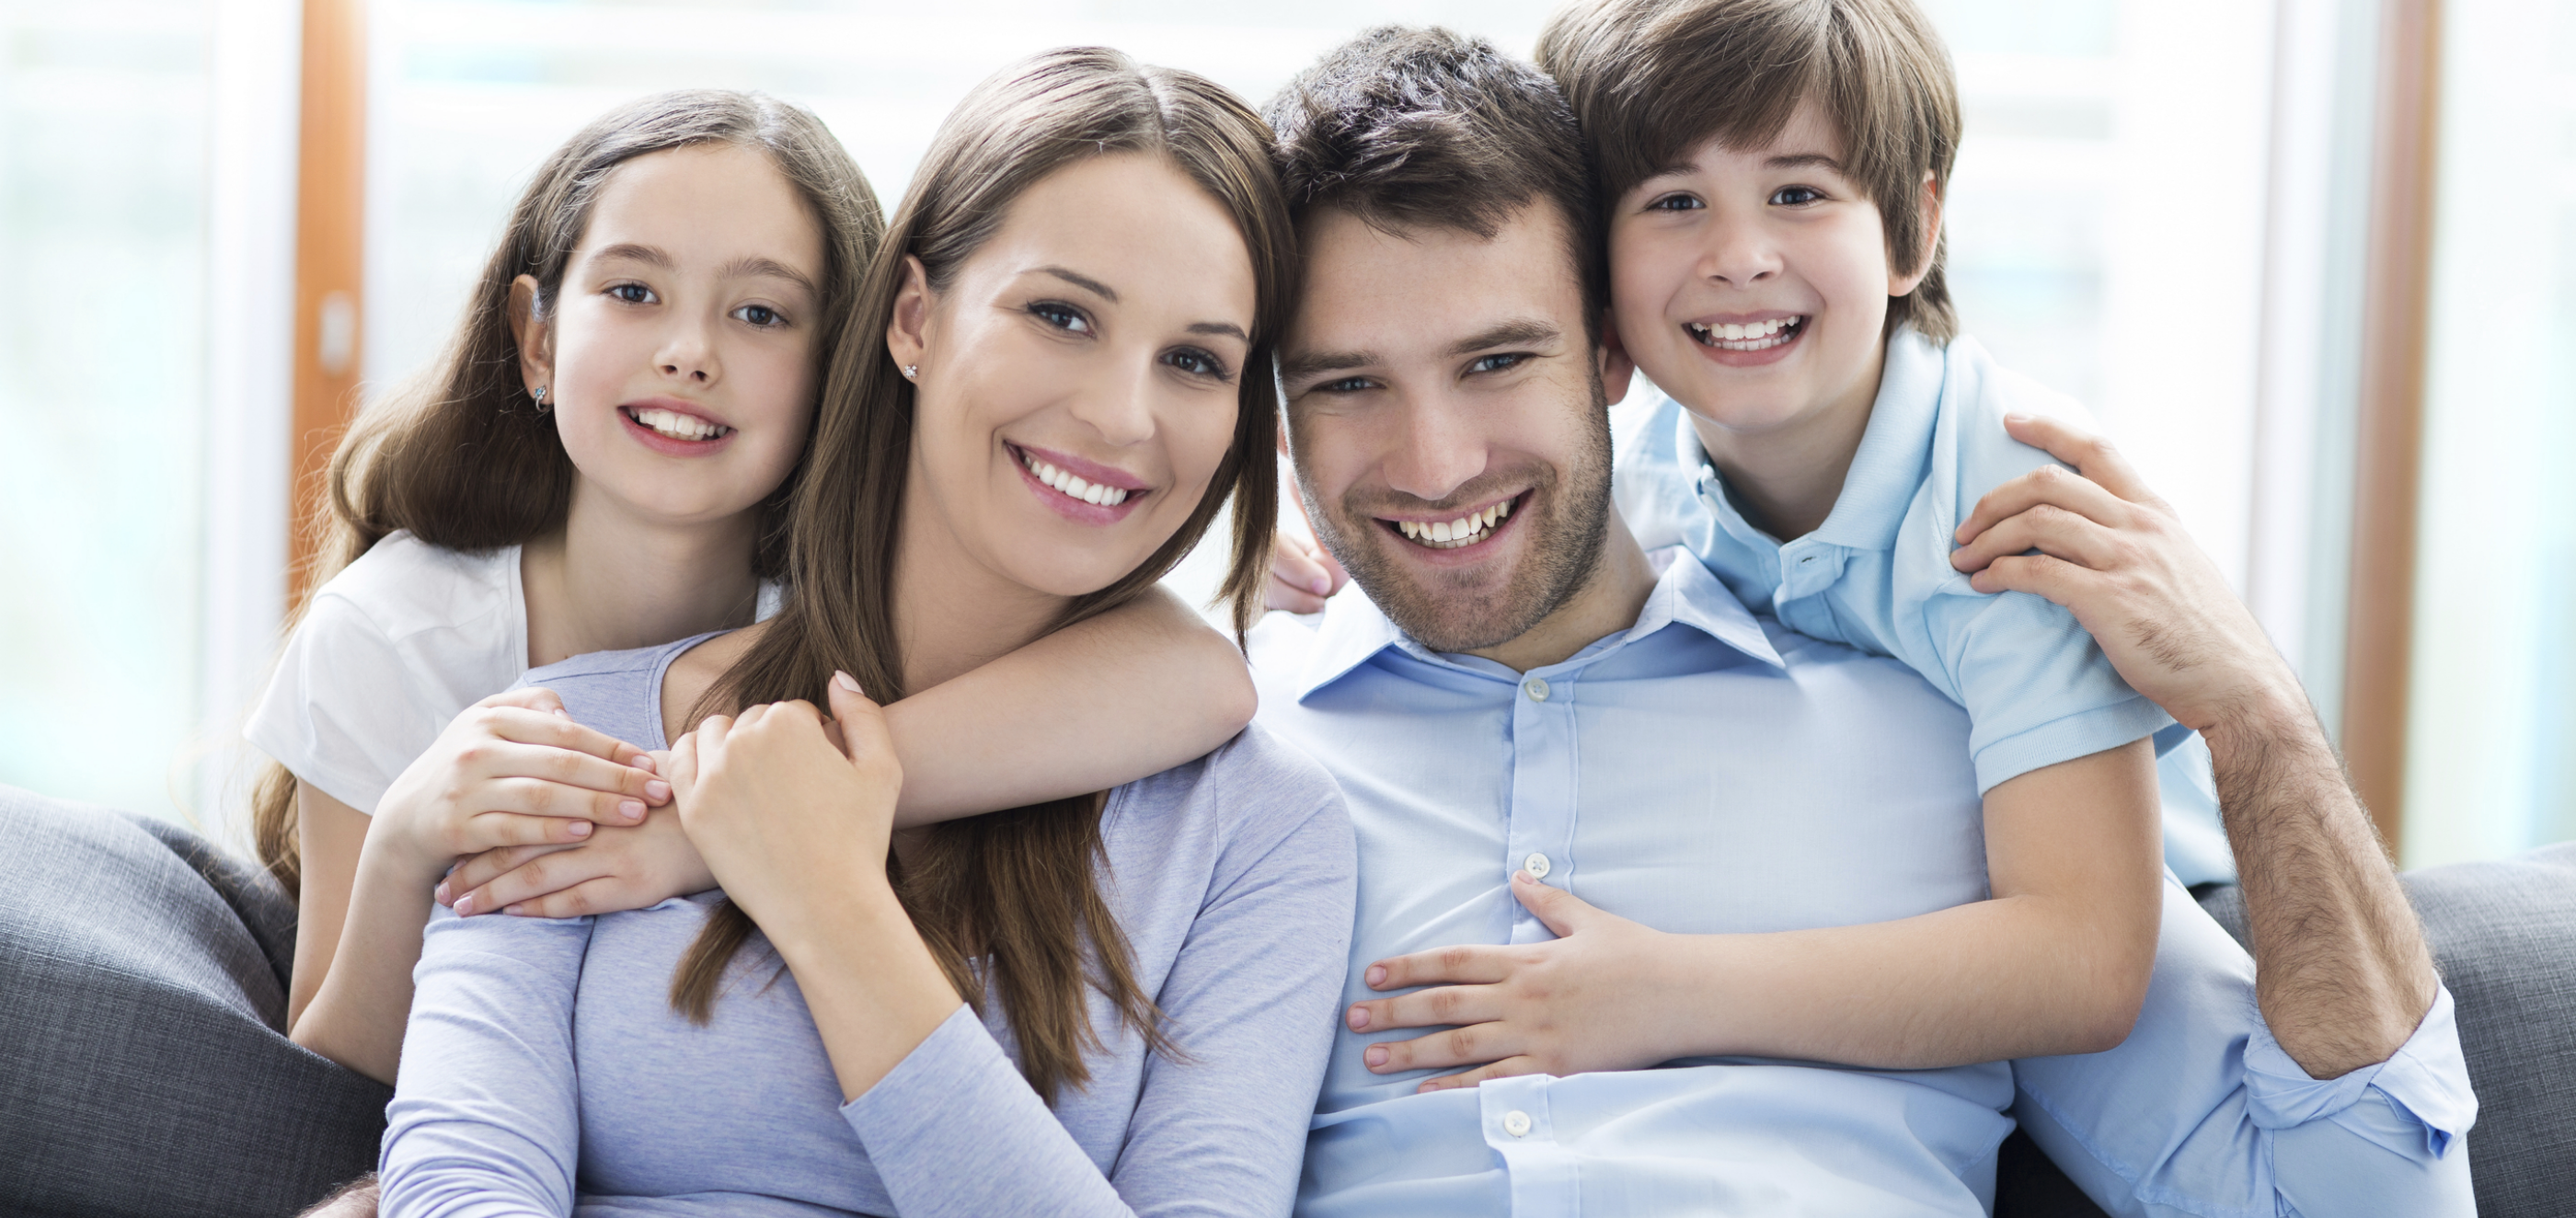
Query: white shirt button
(1536, 865)
(1536, 688)
(1516, 1123)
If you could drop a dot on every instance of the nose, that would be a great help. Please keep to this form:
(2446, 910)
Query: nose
(687, 352)
(1738, 252)
(1119, 407)
(1437, 450)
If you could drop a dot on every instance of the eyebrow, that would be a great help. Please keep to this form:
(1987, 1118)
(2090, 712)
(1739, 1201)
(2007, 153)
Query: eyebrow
(1803, 160)
(1518, 332)
(631, 252)
(1299, 367)
(1225, 329)
(767, 268)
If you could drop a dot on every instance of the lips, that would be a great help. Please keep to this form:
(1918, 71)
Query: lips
(671, 429)
(1460, 532)
(1085, 492)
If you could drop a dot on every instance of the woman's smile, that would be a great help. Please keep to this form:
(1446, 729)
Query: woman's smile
(1085, 492)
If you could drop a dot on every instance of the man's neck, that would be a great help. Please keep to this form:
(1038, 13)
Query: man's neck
(1608, 603)
(1785, 479)
(608, 582)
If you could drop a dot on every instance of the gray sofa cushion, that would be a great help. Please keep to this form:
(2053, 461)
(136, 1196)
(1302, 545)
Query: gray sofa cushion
(142, 989)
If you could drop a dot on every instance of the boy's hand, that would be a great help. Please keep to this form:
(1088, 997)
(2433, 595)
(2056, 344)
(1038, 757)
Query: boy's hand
(616, 869)
(2119, 557)
(1302, 575)
(1586, 1001)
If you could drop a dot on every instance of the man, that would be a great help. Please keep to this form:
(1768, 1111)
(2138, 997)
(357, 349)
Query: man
(1526, 707)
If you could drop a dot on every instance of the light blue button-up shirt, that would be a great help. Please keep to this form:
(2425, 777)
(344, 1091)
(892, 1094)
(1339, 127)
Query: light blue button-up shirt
(1876, 574)
(1708, 771)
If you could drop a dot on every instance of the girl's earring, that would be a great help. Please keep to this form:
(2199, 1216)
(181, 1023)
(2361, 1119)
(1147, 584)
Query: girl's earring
(540, 395)
(911, 371)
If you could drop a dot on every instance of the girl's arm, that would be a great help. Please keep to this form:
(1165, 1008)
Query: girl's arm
(997, 737)
(2056, 962)
(510, 770)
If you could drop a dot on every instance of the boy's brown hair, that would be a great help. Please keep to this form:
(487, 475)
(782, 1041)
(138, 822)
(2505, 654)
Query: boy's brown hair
(1651, 80)
(1420, 127)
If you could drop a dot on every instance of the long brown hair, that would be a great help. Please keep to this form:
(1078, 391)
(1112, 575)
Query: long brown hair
(1014, 890)
(461, 456)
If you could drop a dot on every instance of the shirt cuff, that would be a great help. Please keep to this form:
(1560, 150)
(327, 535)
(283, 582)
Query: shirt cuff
(2426, 1083)
(2068, 737)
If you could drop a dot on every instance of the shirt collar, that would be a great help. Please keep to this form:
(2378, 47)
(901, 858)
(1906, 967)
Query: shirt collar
(1355, 630)
(1887, 469)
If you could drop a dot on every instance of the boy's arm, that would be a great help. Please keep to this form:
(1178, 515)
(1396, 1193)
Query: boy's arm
(1133, 692)
(2057, 962)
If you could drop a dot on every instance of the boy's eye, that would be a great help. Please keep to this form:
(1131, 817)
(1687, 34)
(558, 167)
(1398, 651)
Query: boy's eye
(760, 315)
(1062, 316)
(1675, 202)
(1792, 196)
(1195, 362)
(632, 293)
(1500, 362)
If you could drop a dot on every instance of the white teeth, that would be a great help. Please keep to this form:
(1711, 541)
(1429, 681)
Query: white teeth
(676, 425)
(1451, 534)
(1072, 487)
(1749, 336)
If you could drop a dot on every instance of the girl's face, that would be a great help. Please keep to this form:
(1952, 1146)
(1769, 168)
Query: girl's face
(679, 355)
(1077, 383)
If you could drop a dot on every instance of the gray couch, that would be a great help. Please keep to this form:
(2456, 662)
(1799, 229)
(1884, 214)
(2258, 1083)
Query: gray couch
(143, 986)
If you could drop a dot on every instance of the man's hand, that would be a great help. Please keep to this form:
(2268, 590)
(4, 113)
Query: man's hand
(2119, 558)
(1582, 1002)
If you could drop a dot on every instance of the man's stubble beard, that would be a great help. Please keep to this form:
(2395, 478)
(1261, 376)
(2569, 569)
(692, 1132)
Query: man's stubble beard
(1451, 612)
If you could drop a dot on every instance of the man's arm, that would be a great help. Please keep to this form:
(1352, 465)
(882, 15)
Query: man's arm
(2341, 968)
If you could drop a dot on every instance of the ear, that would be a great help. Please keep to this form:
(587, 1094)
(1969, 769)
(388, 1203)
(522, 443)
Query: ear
(1929, 208)
(907, 332)
(534, 336)
(1618, 371)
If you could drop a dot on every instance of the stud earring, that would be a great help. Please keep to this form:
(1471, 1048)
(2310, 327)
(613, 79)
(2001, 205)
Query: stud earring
(540, 395)
(911, 371)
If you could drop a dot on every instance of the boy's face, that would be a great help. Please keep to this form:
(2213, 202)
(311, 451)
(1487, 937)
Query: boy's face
(1752, 284)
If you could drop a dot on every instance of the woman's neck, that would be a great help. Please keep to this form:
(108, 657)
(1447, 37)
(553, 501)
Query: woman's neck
(952, 613)
(607, 581)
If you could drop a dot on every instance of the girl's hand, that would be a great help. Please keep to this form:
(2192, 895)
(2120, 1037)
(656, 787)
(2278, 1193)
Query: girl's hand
(1302, 575)
(512, 770)
(1584, 1001)
(789, 810)
(616, 869)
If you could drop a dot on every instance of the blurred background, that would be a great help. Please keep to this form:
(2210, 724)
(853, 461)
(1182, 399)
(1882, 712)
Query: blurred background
(2312, 261)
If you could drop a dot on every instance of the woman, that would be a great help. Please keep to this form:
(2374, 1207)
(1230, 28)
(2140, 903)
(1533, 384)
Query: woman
(1068, 373)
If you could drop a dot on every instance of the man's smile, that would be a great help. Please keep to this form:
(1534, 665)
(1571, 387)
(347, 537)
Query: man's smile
(1455, 532)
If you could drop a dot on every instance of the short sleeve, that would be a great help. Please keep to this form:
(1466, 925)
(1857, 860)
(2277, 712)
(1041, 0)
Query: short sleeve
(2037, 688)
(344, 711)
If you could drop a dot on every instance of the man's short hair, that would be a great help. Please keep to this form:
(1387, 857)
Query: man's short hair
(1408, 127)
(1652, 80)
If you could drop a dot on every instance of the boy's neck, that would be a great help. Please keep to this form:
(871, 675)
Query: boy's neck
(1786, 478)
(607, 581)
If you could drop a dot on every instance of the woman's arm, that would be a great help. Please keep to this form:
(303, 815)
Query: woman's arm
(2056, 962)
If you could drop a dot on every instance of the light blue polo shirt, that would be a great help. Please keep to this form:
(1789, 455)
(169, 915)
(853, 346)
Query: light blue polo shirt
(1876, 575)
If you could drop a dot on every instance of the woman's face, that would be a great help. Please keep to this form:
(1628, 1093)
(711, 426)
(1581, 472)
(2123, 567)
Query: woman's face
(1077, 383)
(679, 352)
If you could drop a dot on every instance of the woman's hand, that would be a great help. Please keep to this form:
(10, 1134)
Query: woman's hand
(1587, 1000)
(617, 868)
(792, 813)
(1302, 575)
(511, 770)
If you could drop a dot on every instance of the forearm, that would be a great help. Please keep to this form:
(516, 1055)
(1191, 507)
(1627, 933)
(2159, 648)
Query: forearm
(357, 1014)
(1000, 737)
(2012, 977)
(2342, 972)
(869, 981)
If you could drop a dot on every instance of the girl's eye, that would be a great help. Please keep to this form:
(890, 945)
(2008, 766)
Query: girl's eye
(1062, 316)
(1792, 196)
(760, 315)
(1501, 362)
(1675, 202)
(1195, 362)
(632, 293)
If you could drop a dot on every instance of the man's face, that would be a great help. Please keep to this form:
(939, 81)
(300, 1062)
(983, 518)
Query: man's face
(1447, 415)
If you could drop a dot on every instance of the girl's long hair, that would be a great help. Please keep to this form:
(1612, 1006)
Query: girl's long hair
(1012, 891)
(461, 456)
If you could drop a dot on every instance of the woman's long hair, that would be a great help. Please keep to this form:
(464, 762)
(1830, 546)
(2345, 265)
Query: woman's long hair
(461, 456)
(1012, 891)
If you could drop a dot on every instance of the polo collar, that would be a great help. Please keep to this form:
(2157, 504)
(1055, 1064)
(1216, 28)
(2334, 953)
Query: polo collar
(1887, 469)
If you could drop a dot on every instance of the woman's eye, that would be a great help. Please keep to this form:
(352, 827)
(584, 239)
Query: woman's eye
(1061, 316)
(760, 315)
(1675, 202)
(632, 293)
(1503, 362)
(1792, 196)
(1196, 363)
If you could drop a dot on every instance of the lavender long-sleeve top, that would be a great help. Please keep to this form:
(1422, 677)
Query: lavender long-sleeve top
(544, 1071)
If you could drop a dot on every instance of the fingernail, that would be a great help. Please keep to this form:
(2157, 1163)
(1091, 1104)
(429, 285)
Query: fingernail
(465, 906)
(1523, 877)
(631, 809)
(1376, 1056)
(1322, 585)
(657, 790)
(848, 682)
(1376, 975)
(580, 828)
(2011, 417)
(1358, 1018)
(441, 893)
(563, 713)
(644, 762)
(517, 911)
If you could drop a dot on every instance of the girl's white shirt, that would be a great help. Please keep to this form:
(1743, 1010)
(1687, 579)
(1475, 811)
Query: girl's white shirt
(388, 654)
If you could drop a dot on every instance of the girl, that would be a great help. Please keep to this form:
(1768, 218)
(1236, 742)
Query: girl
(602, 459)
(1084, 284)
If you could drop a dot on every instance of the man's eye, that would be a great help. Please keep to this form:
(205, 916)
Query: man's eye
(1792, 196)
(1503, 362)
(1195, 362)
(632, 293)
(1061, 316)
(1675, 202)
(1348, 384)
(760, 315)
